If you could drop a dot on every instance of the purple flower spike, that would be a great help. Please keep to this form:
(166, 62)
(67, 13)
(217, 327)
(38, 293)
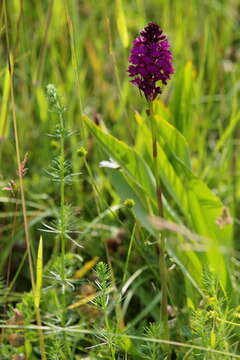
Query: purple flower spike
(151, 61)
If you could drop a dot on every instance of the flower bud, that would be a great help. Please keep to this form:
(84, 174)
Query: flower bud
(129, 203)
(82, 152)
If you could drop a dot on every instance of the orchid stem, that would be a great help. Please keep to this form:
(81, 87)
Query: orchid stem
(161, 239)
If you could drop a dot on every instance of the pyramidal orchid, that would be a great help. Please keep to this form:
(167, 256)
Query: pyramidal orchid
(151, 61)
(150, 68)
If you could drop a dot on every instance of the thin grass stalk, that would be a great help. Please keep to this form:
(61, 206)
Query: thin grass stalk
(25, 221)
(75, 64)
(129, 253)
(39, 72)
(20, 176)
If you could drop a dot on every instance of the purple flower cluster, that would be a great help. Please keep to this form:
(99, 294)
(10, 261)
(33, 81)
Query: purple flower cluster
(151, 61)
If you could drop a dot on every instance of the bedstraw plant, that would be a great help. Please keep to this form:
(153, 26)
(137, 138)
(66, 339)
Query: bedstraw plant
(60, 173)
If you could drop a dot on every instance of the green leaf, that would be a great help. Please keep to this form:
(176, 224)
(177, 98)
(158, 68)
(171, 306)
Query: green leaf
(42, 103)
(166, 157)
(194, 198)
(126, 191)
(121, 23)
(4, 126)
(227, 132)
(181, 99)
(204, 210)
(174, 140)
(37, 295)
(129, 159)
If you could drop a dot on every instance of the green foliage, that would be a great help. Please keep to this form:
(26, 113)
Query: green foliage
(103, 283)
(152, 351)
(200, 207)
(106, 213)
(208, 321)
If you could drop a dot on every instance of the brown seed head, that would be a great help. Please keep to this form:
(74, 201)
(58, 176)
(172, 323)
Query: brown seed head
(16, 340)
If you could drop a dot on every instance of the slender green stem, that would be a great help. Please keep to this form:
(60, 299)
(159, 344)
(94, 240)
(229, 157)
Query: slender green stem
(62, 194)
(129, 254)
(161, 240)
(75, 64)
(108, 327)
(62, 216)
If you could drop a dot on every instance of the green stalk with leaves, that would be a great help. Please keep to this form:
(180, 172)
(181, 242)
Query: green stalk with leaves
(103, 283)
(54, 101)
(60, 171)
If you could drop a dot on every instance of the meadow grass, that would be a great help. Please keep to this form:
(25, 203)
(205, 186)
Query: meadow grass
(76, 170)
